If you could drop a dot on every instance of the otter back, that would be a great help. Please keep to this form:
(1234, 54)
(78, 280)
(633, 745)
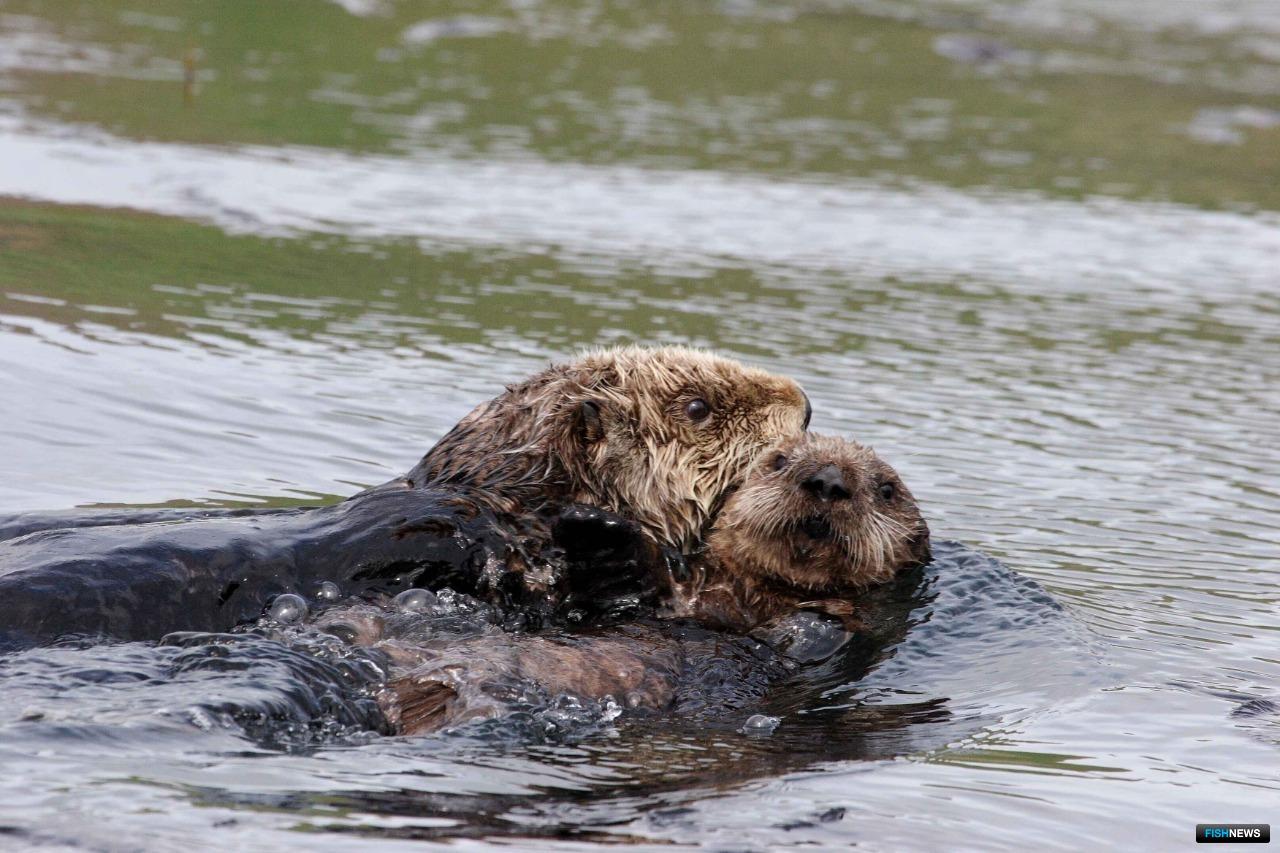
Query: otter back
(140, 581)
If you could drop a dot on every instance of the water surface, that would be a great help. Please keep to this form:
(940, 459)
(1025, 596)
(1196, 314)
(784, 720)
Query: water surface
(1029, 251)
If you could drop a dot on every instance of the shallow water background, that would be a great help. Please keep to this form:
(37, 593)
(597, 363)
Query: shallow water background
(1028, 250)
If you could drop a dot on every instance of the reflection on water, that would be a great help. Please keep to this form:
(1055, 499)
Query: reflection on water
(373, 214)
(1072, 97)
(675, 220)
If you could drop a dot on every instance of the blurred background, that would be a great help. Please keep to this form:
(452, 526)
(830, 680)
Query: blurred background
(267, 253)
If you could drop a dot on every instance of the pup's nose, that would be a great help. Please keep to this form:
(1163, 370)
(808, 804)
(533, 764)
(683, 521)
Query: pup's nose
(828, 484)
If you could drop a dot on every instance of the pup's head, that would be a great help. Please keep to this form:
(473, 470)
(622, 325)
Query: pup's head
(820, 514)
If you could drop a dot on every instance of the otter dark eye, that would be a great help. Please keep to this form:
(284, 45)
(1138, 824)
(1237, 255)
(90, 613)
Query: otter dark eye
(697, 409)
(887, 491)
(780, 461)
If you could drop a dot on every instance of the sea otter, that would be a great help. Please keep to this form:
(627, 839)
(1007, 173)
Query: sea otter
(818, 522)
(655, 436)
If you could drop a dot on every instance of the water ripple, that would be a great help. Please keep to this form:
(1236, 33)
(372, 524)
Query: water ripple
(691, 219)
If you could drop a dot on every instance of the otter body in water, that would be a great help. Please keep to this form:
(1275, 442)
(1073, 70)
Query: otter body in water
(656, 436)
(816, 525)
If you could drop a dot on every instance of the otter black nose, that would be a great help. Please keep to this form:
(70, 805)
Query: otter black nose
(827, 484)
(808, 409)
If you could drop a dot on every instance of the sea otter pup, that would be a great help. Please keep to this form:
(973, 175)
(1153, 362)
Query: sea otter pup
(818, 521)
(656, 436)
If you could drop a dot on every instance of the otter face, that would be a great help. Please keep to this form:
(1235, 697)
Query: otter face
(668, 432)
(656, 435)
(822, 514)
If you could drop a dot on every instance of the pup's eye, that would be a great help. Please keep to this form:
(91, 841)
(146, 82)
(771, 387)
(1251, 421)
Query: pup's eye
(780, 461)
(887, 491)
(697, 409)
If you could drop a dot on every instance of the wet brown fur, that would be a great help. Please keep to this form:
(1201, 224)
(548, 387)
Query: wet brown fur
(761, 565)
(479, 677)
(610, 430)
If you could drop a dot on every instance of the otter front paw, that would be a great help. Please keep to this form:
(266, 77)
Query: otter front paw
(804, 636)
(590, 534)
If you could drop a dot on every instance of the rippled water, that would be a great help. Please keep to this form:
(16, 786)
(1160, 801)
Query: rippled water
(1029, 251)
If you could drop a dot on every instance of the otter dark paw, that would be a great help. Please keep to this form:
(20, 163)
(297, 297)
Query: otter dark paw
(590, 534)
(804, 636)
(611, 564)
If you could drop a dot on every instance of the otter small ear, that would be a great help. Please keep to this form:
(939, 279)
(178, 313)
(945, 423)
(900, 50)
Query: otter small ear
(591, 425)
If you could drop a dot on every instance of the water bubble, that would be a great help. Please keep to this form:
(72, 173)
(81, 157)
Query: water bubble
(327, 591)
(760, 724)
(288, 608)
(415, 600)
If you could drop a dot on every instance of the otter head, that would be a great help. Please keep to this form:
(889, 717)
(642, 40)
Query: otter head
(657, 435)
(820, 514)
